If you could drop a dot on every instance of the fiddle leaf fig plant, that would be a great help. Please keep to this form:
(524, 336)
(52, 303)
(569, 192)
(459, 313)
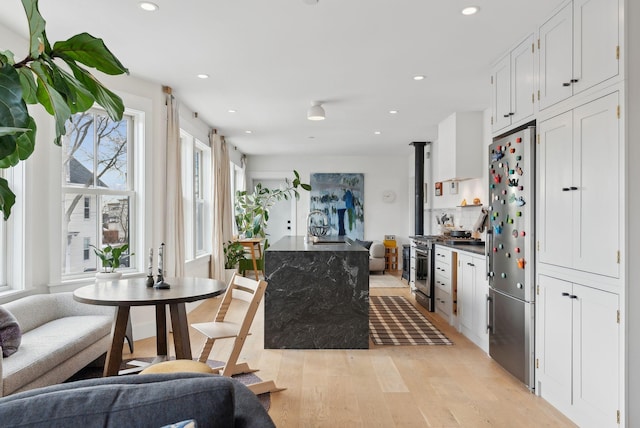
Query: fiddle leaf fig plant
(252, 209)
(39, 78)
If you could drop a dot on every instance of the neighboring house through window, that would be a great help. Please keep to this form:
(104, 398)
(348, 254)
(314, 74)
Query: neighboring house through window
(98, 190)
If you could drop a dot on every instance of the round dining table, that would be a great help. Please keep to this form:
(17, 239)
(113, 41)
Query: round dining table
(125, 293)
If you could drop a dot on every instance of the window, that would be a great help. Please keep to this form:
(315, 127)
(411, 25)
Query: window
(196, 179)
(87, 245)
(97, 165)
(87, 208)
(237, 183)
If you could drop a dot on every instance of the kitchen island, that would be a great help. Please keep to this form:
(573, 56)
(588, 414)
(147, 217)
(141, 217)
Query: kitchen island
(318, 294)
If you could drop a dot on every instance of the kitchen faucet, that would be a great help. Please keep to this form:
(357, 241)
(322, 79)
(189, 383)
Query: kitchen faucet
(310, 236)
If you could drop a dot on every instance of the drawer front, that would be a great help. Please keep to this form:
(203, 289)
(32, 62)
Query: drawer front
(442, 283)
(442, 255)
(443, 302)
(442, 269)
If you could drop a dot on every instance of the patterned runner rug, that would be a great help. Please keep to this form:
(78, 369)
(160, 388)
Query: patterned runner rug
(393, 320)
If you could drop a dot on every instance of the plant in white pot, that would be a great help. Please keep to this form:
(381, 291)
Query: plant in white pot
(111, 258)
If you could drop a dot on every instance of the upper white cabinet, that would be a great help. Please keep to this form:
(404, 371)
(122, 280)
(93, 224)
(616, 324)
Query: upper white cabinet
(460, 146)
(513, 86)
(579, 48)
(578, 210)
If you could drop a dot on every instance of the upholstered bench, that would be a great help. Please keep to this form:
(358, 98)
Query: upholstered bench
(59, 337)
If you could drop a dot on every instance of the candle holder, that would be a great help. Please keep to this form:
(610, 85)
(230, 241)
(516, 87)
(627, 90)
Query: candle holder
(160, 284)
(150, 281)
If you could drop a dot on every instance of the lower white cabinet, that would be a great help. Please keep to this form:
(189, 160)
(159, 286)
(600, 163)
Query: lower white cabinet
(472, 299)
(444, 277)
(578, 351)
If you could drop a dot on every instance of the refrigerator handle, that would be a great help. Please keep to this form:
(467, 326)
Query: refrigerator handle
(489, 315)
(488, 251)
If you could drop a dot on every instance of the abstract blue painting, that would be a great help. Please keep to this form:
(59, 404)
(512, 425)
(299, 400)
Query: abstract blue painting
(341, 197)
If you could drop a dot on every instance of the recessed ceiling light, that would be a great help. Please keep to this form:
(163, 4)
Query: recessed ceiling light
(148, 6)
(377, 132)
(470, 10)
(311, 137)
(393, 111)
(248, 132)
(232, 110)
(418, 77)
(203, 76)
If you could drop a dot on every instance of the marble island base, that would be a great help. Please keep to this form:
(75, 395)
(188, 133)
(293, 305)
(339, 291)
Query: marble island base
(317, 296)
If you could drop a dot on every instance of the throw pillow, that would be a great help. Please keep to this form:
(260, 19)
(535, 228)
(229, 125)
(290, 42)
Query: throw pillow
(10, 334)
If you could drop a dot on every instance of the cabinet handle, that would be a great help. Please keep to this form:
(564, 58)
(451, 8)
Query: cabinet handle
(505, 115)
(573, 188)
(511, 113)
(574, 80)
(566, 84)
(470, 264)
(573, 296)
(489, 315)
(566, 294)
(565, 189)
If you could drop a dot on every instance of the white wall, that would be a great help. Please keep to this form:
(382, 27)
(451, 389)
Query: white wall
(380, 173)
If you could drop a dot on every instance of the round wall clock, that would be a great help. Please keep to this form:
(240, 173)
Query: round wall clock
(388, 196)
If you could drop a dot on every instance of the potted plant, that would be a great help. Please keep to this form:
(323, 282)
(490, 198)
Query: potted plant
(111, 258)
(252, 209)
(52, 74)
(233, 253)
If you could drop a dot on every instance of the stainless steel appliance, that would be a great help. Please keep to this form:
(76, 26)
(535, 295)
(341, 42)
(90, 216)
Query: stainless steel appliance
(509, 244)
(423, 284)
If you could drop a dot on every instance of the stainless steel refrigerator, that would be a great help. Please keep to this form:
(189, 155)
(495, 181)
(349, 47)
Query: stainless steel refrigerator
(510, 253)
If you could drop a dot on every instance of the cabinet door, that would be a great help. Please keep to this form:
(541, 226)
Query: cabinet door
(595, 41)
(522, 81)
(501, 97)
(555, 204)
(479, 305)
(596, 235)
(466, 278)
(556, 45)
(596, 351)
(553, 340)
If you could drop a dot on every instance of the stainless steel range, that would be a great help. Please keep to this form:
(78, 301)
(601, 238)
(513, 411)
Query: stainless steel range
(420, 275)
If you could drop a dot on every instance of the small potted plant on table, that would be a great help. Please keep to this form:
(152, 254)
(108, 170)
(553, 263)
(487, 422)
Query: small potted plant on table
(233, 253)
(111, 258)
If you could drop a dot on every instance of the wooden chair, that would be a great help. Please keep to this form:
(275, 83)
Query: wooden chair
(250, 292)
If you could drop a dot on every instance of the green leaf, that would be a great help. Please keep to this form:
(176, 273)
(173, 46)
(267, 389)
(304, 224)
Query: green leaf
(24, 146)
(77, 97)
(6, 57)
(7, 198)
(306, 187)
(5, 130)
(13, 110)
(111, 102)
(51, 100)
(90, 51)
(297, 175)
(36, 27)
(29, 86)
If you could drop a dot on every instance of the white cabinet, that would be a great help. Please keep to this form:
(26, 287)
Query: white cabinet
(579, 48)
(472, 299)
(578, 208)
(459, 146)
(513, 86)
(445, 281)
(578, 351)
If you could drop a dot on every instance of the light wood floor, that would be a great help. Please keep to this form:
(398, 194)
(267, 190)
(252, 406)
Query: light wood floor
(384, 386)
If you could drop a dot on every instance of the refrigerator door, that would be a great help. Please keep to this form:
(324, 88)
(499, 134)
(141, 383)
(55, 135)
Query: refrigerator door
(511, 335)
(511, 193)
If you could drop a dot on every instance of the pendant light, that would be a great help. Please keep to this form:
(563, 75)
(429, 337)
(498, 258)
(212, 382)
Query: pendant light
(315, 112)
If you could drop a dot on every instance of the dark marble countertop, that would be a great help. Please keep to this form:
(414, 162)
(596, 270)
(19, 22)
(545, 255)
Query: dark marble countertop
(470, 248)
(326, 243)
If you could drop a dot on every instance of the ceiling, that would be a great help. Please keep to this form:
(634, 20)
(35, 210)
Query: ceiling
(269, 59)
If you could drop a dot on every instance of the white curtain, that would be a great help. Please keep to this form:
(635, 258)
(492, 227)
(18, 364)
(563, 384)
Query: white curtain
(174, 213)
(221, 201)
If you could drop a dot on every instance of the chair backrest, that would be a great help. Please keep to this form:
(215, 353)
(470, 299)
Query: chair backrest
(244, 289)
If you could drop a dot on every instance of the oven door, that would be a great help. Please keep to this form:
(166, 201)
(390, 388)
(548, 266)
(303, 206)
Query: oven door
(424, 288)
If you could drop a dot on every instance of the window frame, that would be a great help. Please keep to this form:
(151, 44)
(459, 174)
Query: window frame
(134, 161)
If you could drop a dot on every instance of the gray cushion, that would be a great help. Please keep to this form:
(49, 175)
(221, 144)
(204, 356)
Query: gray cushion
(10, 334)
(377, 250)
(152, 400)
